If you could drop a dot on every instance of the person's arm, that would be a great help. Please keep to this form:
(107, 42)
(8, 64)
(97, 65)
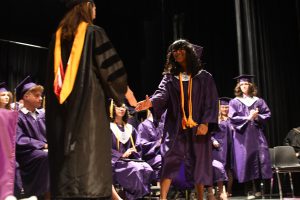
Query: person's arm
(237, 118)
(210, 110)
(158, 100)
(264, 112)
(130, 97)
(110, 67)
(25, 142)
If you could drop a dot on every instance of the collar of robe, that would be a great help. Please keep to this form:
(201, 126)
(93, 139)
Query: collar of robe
(64, 80)
(122, 136)
(187, 122)
(248, 101)
(32, 114)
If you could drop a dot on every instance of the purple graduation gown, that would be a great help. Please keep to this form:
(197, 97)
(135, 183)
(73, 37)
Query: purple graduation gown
(33, 160)
(149, 139)
(221, 154)
(251, 159)
(183, 145)
(8, 122)
(134, 177)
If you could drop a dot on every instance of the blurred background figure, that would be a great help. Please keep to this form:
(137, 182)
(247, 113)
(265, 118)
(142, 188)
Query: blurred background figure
(293, 139)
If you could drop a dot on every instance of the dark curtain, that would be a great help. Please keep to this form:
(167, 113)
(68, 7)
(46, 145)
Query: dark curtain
(269, 47)
(205, 23)
(18, 61)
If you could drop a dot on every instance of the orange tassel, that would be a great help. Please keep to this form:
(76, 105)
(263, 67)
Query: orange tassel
(190, 123)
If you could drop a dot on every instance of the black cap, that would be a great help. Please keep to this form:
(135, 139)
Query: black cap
(23, 87)
(224, 100)
(244, 78)
(71, 3)
(3, 87)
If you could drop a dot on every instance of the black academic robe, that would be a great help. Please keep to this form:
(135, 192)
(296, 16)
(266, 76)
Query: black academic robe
(78, 130)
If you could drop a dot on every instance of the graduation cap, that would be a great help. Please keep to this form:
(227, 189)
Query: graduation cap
(72, 3)
(244, 78)
(3, 87)
(224, 100)
(24, 86)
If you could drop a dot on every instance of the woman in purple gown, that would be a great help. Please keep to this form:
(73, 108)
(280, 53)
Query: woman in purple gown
(248, 115)
(221, 151)
(189, 95)
(129, 171)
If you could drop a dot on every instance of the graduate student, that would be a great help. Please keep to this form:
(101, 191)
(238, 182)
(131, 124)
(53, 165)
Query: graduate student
(189, 95)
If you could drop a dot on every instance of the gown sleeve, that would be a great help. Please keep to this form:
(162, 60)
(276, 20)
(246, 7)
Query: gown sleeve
(160, 97)
(110, 67)
(237, 116)
(264, 112)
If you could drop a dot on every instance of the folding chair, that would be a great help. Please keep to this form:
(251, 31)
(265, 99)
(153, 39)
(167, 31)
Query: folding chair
(285, 161)
(272, 156)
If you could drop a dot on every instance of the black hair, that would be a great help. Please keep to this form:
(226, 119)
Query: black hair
(192, 60)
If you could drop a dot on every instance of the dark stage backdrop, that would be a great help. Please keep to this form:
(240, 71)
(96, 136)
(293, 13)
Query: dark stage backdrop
(18, 61)
(238, 36)
(269, 47)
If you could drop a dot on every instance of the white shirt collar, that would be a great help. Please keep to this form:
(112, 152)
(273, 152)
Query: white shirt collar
(33, 114)
(184, 76)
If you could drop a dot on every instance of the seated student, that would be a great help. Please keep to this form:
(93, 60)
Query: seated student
(293, 139)
(149, 139)
(32, 147)
(129, 170)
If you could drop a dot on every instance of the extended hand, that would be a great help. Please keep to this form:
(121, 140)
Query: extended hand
(144, 105)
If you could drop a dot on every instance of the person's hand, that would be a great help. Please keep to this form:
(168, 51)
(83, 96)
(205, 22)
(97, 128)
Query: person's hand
(253, 114)
(216, 144)
(45, 146)
(144, 105)
(202, 129)
(128, 153)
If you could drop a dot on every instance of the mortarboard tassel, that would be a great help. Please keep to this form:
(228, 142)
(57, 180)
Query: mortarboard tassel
(111, 109)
